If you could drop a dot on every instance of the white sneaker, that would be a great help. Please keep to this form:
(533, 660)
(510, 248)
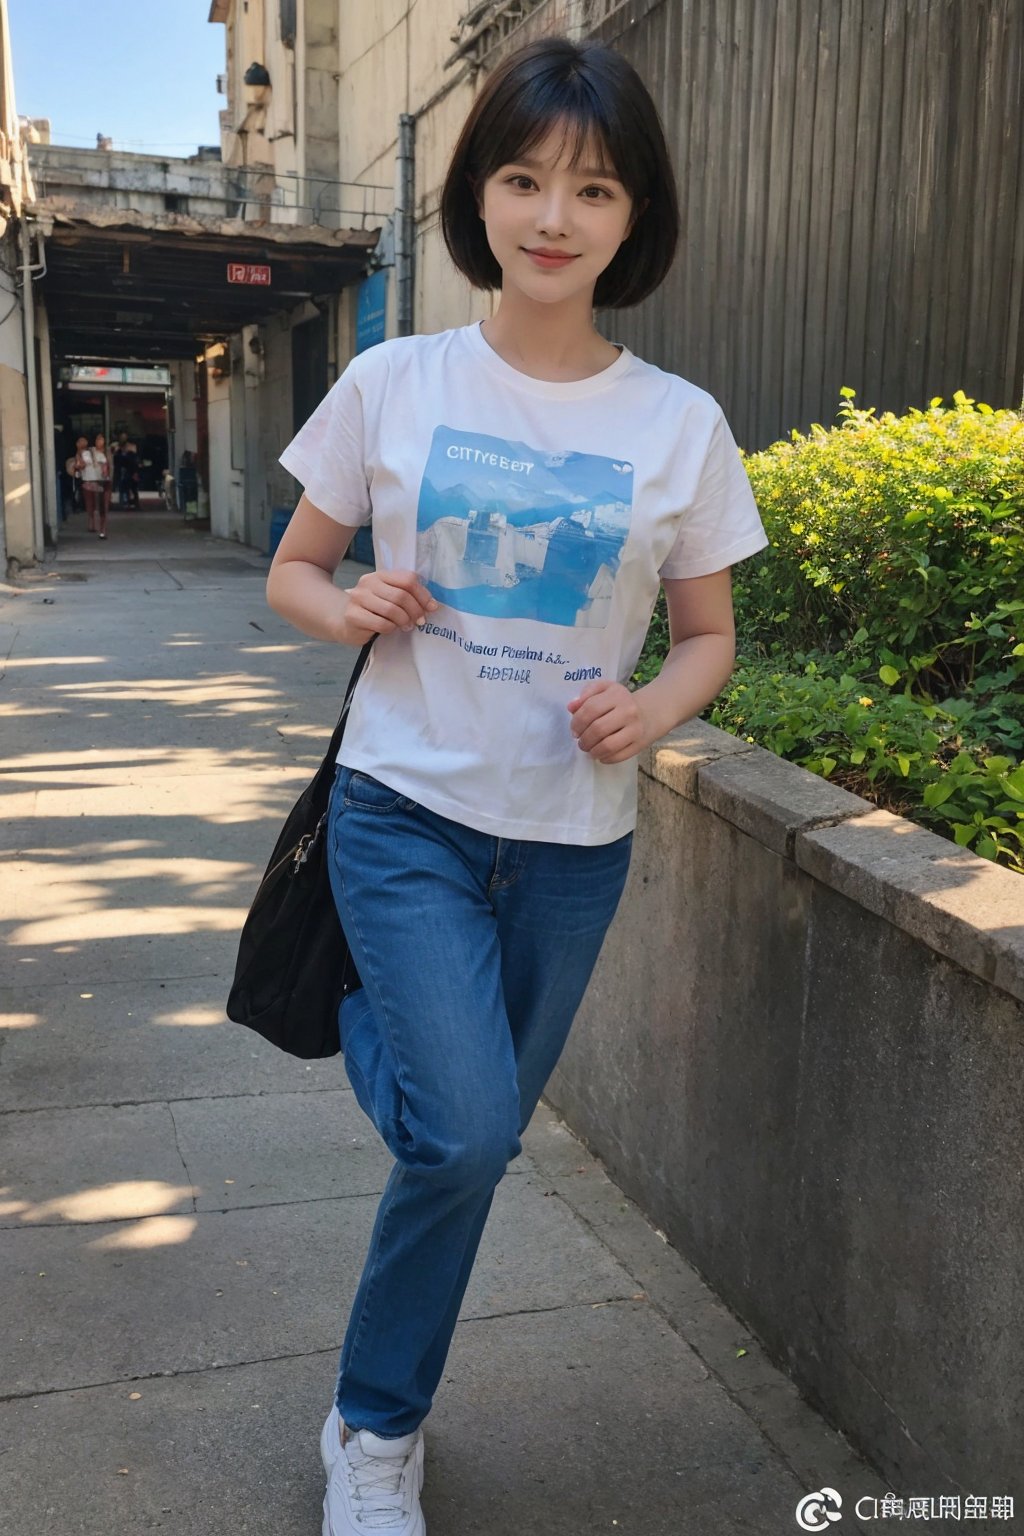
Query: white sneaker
(373, 1484)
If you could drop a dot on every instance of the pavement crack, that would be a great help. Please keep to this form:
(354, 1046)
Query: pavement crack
(194, 1098)
(561, 1306)
(184, 1164)
(206, 1210)
(201, 1370)
(7, 654)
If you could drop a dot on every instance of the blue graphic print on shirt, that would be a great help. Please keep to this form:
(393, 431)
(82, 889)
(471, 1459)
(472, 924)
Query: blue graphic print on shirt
(515, 532)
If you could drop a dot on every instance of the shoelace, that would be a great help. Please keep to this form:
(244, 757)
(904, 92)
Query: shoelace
(375, 1484)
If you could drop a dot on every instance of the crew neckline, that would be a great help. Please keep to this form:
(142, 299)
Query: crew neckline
(552, 389)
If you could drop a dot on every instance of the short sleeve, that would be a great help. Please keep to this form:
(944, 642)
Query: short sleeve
(721, 525)
(327, 455)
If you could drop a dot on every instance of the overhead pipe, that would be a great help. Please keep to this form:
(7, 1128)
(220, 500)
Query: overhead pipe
(405, 229)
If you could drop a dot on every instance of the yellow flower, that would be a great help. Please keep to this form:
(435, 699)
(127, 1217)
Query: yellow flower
(865, 700)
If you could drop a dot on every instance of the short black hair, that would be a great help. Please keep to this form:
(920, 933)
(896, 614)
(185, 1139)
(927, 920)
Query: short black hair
(601, 100)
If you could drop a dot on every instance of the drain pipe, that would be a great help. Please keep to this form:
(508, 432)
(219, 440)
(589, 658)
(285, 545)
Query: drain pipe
(28, 321)
(405, 226)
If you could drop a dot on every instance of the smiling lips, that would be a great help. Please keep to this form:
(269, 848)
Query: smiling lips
(543, 257)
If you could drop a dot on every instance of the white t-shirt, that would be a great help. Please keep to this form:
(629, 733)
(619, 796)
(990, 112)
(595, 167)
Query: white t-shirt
(541, 516)
(96, 465)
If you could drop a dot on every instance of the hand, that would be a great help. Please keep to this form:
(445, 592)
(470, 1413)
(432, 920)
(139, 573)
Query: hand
(384, 601)
(609, 722)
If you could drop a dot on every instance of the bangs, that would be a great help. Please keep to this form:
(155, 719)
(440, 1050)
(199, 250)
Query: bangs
(563, 105)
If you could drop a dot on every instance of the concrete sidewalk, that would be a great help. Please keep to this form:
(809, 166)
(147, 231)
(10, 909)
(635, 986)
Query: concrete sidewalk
(187, 1209)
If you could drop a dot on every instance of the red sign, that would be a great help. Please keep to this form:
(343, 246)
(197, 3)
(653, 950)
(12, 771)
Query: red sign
(245, 272)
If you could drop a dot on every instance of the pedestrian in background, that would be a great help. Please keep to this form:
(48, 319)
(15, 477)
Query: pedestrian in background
(126, 471)
(96, 481)
(530, 485)
(74, 465)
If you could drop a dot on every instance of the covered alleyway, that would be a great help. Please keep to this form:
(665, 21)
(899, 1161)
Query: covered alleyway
(148, 267)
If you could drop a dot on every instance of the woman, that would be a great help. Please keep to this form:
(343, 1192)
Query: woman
(529, 485)
(95, 462)
(74, 465)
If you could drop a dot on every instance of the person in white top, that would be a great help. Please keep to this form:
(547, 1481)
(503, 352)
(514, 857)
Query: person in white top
(529, 485)
(96, 478)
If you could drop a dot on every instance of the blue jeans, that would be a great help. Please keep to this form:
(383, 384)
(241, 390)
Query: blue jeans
(474, 952)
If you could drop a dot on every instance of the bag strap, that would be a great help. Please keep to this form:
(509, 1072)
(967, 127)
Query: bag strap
(357, 671)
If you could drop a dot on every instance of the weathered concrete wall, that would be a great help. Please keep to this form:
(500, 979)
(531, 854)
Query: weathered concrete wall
(268, 423)
(119, 179)
(802, 1054)
(392, 61)
(317, 47)
(15, 480)
(219, 416)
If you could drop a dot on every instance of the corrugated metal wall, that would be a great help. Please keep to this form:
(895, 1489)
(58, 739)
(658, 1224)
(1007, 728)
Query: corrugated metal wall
(853, 208)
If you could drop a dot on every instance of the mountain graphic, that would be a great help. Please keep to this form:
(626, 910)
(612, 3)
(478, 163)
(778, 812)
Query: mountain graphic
(460, 500)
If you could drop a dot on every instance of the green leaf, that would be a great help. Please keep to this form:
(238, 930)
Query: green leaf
(889, 675)
(904, 763)
(1014, 785)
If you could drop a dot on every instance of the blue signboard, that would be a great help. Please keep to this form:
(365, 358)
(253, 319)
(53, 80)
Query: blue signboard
(370, 310)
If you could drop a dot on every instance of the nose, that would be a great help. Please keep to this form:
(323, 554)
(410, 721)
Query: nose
(554, 213)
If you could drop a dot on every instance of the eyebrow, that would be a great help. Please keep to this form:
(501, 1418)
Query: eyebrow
(586, 170)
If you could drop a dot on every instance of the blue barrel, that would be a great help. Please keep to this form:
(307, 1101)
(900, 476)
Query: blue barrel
(279, 520)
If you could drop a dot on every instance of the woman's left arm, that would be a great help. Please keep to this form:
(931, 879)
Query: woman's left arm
(613, 724)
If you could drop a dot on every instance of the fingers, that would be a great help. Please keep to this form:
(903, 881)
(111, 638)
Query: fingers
(390, 600)
(601, 685)
(594, 706)
(617, 747)
(608, 723)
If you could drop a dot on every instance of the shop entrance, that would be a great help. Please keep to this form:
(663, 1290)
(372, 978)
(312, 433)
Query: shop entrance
(92, 399)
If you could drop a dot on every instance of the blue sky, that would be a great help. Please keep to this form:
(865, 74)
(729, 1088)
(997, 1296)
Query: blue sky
(141, 71)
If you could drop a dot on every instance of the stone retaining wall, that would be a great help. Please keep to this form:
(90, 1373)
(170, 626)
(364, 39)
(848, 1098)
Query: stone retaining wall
(802, 1054)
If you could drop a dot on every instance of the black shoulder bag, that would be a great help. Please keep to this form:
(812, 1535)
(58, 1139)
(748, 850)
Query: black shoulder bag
(294, 967)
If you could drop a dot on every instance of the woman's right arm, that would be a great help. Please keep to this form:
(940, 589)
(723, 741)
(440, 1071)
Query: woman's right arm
(300, 586)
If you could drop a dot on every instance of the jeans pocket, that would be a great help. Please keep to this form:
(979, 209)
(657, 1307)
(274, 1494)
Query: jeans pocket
(366, 793)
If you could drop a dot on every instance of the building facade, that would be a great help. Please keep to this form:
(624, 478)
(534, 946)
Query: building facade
(21, 533)
(851, 181)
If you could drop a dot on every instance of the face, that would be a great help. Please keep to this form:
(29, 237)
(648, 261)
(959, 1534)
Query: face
(100, 440)
(554, 230)
(81, 442)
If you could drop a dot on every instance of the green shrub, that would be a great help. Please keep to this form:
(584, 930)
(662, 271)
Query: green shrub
(881, 635)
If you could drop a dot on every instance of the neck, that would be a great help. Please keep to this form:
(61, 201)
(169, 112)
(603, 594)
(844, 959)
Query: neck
(554, 342)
